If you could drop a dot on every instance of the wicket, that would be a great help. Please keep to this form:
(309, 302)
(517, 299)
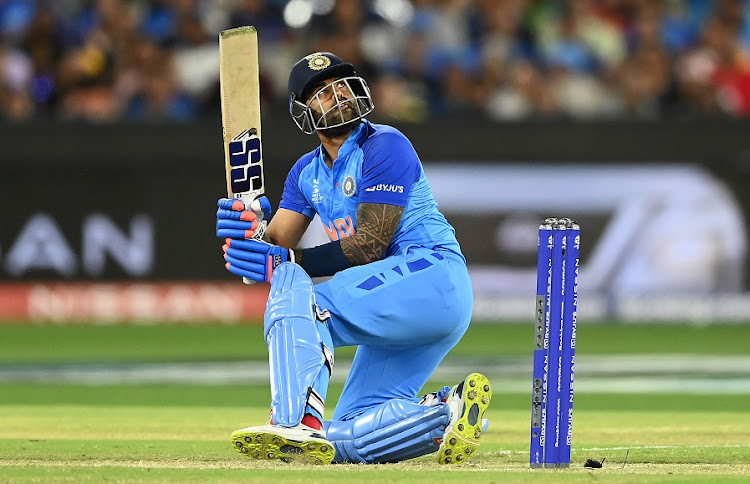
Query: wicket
(554, 343)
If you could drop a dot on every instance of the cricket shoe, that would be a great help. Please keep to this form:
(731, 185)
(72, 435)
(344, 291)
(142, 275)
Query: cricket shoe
(288, 444)
(467, 402)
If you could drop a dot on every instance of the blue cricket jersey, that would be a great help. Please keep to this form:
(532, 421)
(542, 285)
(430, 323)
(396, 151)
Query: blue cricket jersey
(376, 164)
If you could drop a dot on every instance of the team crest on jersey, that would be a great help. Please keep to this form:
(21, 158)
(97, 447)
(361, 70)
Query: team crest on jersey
(318, 62)
(349, 186)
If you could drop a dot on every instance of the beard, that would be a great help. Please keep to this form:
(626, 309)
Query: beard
(345, 115)
(338, 131)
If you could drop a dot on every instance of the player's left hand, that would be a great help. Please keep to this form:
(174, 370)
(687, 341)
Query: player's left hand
(254, 259)
(236, 220)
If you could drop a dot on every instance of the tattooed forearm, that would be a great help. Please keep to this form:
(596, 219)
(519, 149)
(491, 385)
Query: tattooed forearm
(376, 224)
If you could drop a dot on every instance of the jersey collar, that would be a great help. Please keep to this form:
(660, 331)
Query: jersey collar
(354, 141)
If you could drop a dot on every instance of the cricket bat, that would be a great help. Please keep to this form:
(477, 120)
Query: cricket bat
(240, 116)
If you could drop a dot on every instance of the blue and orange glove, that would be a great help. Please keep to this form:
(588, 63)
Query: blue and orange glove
(235, 220)
(255, 259)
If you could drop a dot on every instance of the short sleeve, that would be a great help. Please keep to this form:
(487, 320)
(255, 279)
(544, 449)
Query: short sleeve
(389, 169)
(293, 199)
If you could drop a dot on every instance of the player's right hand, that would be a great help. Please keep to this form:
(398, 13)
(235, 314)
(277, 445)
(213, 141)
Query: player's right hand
(255, 259)
(235, 220)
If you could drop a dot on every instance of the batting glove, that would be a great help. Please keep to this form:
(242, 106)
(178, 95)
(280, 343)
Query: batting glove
(236, 220)
(255, 259)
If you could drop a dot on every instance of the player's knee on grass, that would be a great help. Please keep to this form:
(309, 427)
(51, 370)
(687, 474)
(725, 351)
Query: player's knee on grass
(394, 431)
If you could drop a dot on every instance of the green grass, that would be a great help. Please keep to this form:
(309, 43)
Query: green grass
(77, 433)
(183, 443)
(219, 396)
(45, 344)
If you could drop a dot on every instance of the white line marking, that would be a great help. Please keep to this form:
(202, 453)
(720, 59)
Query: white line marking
(646, 447)
(653, 374)
(635, 447)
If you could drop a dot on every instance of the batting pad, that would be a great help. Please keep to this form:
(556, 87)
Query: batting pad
(298, 347)
(391, 432)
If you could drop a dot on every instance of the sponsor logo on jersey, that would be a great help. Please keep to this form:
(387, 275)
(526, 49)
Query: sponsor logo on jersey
(380, 187)
(349, 186)
(316, 195)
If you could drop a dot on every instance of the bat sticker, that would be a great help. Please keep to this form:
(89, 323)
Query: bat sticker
(246, 161)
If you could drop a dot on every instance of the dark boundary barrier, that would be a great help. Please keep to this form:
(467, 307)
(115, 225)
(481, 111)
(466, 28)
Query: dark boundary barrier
(174, 172)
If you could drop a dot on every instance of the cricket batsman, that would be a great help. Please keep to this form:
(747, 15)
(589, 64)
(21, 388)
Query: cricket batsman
(400, 290)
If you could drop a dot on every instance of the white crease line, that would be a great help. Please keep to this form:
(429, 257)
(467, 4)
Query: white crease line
(636, 447)
(646, 447)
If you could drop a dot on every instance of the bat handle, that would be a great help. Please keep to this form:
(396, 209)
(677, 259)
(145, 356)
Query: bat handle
(258, 236)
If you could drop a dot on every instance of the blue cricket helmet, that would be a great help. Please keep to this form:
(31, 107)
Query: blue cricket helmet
(307, 74)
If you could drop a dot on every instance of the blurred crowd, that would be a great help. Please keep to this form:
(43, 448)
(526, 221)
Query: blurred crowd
(157, 60)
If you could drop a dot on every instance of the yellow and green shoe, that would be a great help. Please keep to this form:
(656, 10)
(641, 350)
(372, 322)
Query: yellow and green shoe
(467, 402)
(288, 444)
